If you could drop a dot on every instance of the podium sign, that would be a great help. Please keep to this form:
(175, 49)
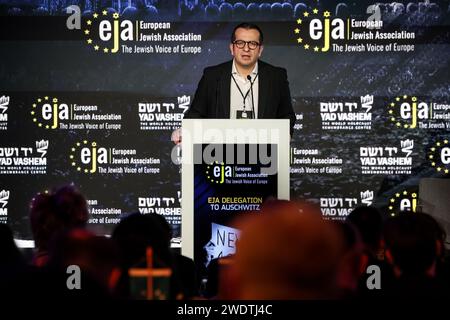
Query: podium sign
(229, 168)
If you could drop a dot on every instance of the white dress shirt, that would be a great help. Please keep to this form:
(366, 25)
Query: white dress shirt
(236, 99)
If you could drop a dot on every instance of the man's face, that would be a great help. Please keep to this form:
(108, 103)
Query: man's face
(246, 57)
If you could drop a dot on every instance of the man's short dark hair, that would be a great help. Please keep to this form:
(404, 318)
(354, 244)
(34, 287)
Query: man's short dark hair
(247, 26)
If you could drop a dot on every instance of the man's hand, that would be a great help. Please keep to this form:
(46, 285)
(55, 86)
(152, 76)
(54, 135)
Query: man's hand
(176, 136)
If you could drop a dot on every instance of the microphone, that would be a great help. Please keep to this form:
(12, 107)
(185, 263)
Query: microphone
(251, 90)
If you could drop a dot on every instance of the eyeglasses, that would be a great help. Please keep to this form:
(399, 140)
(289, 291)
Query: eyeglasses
(252, 45)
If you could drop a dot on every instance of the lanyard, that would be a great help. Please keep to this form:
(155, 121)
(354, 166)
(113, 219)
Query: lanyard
(240, 91)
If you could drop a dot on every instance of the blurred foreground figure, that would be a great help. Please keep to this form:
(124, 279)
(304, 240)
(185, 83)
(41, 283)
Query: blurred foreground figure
(97, 257)
(52, 213)
(414, 245)
(286, 254)
(137, 232)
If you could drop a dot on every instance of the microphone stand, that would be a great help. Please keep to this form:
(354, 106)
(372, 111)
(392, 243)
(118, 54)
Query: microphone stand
(251, 90)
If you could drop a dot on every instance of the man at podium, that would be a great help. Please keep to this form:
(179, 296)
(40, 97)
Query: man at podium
(243, 88)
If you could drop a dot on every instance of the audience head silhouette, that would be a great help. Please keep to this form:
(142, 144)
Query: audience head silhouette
(287, 252)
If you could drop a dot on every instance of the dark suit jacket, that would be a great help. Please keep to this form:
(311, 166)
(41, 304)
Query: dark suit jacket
(212, 98)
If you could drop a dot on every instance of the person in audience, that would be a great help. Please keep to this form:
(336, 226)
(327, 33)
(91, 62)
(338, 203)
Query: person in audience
(353, 262)
(53, 212)
(412, 246)
(225, 91)
(443, 262)
(185, 266)
(44, 224)
(369, 223)
(97, 258)
(137, 232)
(286, 254)
(71, 207)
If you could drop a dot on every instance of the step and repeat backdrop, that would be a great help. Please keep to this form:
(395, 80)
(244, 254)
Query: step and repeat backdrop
(90, 92)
